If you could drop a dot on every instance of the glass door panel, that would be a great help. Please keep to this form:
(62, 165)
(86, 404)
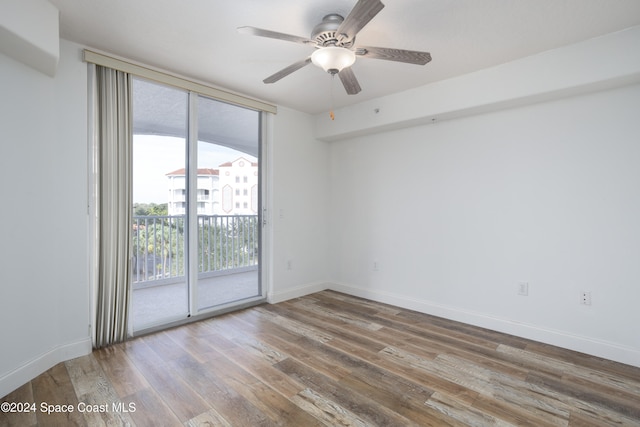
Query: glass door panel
(196, 187)
(160, 292)
(228, 188)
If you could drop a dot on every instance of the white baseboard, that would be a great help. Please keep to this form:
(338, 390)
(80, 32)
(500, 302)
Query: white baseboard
(592, 346)
(296, 292)
(35, 367)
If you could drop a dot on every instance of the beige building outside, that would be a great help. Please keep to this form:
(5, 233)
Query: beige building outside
(232, 189)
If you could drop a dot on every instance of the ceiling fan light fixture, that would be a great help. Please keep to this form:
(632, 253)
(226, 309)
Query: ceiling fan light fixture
(333, 59)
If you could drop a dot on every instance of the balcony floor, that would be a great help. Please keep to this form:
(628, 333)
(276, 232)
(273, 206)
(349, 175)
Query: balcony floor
(156, 304)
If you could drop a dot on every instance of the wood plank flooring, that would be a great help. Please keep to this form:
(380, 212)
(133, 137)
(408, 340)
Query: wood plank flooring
(329, 359)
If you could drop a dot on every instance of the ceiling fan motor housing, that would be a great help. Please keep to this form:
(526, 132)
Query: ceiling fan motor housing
(324, 34)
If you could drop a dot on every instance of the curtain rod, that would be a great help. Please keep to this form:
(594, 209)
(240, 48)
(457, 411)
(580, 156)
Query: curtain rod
(169, 79)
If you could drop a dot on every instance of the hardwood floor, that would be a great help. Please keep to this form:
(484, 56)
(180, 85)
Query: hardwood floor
(336, 360)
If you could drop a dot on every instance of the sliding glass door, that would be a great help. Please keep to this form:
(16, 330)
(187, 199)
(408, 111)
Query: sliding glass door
(197, 180)
(160, 291)
(228, 203)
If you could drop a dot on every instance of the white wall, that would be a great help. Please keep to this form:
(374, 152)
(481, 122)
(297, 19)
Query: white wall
(29, 33)
(44, 299)
(457, 213)
(524, 174)
(562, 72)
(299, 206)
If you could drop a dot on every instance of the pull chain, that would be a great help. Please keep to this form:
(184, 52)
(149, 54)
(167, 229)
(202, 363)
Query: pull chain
(333, 78)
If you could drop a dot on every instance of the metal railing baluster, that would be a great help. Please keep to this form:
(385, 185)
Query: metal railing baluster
(227, 242)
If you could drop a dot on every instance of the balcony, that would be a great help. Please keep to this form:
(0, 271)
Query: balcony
(170, 298)
(228, 258)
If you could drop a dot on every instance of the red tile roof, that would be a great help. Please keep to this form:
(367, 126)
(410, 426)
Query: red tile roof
(203, 171)
(229, 164)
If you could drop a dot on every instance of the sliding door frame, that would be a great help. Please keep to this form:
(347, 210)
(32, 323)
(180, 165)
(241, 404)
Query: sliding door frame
(266, 112)
(191, 246)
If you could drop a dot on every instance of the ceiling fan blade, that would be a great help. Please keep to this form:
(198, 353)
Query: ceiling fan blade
(360, 15)
(288, 70)
(349, 81)
(398, 55)
(274, 35)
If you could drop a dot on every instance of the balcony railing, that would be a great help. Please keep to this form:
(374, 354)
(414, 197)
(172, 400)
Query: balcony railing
(225, 242)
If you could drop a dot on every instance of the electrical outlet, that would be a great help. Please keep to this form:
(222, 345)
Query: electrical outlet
(523, 288)
(585, 298)
(289, 265)
(376, 266)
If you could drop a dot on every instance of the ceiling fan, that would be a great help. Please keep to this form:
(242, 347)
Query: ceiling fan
(334, 40)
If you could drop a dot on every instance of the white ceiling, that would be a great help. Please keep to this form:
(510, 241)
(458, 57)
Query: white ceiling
(198, 39)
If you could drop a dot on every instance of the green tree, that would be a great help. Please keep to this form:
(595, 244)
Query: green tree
(158, 247)
(150, 209)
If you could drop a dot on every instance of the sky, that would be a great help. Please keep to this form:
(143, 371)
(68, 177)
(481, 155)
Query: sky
(156, 156)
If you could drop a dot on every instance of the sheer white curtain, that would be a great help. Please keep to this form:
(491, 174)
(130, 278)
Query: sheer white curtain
(112, 128)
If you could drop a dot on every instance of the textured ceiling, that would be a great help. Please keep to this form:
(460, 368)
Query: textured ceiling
(198, 39)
